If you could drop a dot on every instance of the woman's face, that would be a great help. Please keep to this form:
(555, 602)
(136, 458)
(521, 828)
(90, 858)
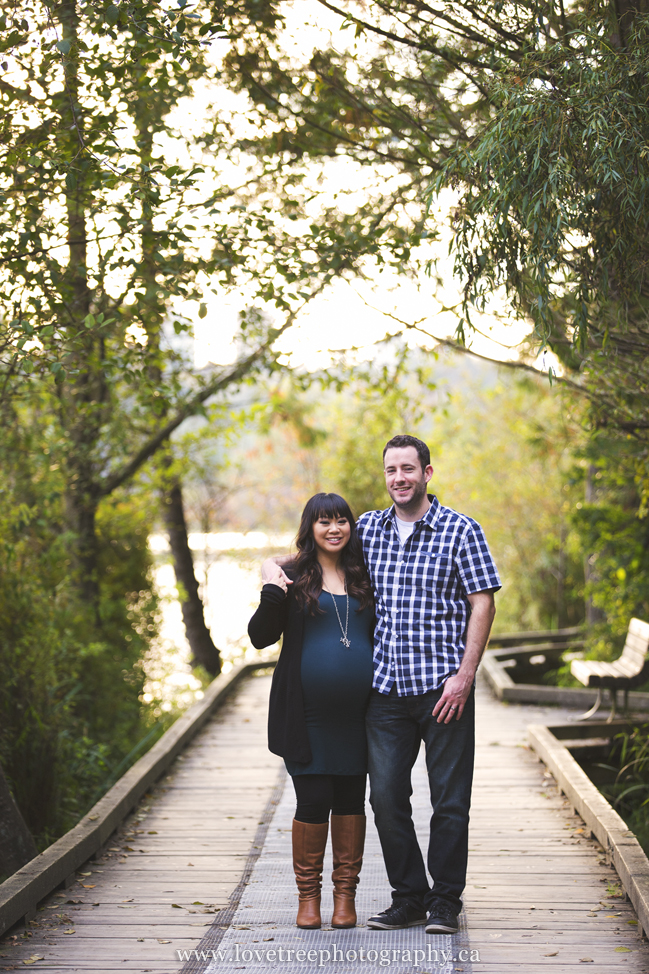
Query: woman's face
(331, 534)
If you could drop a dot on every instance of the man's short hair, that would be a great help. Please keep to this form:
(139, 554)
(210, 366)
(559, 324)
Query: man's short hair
(404, 439)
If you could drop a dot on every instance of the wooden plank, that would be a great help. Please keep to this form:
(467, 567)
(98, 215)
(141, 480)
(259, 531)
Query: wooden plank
(136, 890)
(21, 892)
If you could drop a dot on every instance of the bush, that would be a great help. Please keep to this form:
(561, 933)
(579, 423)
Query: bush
(70, 693)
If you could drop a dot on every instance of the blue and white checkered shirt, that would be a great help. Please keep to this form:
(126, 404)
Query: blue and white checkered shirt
(421, 591)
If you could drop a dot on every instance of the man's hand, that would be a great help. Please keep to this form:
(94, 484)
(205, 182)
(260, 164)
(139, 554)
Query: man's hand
(458, 687)
(272, 574)
(452, 701)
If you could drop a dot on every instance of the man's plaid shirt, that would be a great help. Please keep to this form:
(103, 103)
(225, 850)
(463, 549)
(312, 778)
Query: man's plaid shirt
(421, 592)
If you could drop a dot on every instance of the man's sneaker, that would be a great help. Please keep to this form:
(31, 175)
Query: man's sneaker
(397, 917)
(442, 919)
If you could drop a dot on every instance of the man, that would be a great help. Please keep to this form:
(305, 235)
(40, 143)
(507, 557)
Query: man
(434, 582)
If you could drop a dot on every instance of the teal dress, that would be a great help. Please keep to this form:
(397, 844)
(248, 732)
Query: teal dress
(336, 684)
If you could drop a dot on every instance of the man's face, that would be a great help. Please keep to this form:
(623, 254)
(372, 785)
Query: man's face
(405, 480)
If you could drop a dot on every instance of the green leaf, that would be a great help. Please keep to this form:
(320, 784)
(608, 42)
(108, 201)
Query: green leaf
(112, 14)
(63, 46)
(70, 180)
(89, 321)
(202, 310)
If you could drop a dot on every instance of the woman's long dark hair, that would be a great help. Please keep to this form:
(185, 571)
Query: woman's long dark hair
(308, 573)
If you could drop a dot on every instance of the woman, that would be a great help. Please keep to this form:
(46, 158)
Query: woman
(320, 690)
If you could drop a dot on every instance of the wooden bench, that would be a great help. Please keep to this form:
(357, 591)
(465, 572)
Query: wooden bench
(631, 669)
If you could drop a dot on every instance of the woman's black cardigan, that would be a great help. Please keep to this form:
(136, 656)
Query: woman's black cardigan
(279, 613)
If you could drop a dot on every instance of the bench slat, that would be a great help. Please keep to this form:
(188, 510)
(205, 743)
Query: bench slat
(640, 628)
(635, 644)
(628, 669)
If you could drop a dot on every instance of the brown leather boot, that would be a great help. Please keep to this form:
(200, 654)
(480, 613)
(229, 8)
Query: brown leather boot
(347, 841)
(309, 843)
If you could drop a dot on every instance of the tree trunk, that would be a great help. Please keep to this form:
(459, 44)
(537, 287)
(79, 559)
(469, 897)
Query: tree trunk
(626, 12)
(593, 613)
(204, 652)
(80, 513)
(17, 846)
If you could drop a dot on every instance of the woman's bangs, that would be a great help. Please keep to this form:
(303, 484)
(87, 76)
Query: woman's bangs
(330, 507)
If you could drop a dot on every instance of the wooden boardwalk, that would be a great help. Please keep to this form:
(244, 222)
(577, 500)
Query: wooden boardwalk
(540, 895)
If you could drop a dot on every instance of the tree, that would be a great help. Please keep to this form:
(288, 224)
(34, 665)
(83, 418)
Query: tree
(204, 652)
(99, 241)
(16, 843)
(534, 116)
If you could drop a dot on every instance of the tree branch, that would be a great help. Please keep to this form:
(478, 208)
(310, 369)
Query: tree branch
(191, 407)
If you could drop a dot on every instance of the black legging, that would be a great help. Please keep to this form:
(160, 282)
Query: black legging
(319, 794)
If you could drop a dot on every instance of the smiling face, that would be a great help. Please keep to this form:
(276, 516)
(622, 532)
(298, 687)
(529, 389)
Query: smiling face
(406, 481)
(331, 534)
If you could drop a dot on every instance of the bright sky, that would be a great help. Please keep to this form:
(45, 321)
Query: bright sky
(347, 315)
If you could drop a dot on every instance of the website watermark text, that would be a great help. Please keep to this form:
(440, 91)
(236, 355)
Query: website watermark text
(332, 954)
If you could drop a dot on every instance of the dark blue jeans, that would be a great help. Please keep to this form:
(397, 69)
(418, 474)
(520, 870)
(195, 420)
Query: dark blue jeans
(395, 728)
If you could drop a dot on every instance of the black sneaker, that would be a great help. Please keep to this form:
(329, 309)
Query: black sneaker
(442, 919)
(397, 917)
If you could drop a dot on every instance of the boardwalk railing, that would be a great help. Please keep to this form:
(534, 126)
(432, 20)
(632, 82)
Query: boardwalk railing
(21, 893)
(618, 841)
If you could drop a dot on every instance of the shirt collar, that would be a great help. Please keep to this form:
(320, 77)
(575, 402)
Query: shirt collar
(429, 518)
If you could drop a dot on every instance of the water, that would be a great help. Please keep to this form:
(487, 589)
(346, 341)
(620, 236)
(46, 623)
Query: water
(227, 566)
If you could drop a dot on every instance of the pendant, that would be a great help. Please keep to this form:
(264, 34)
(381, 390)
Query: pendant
(345, 641)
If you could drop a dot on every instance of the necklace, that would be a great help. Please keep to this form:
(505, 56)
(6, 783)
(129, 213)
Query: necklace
(344, 640)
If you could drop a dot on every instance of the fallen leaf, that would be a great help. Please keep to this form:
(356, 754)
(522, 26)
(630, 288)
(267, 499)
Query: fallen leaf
(89, 885)
(73, 902)
(70, 931)
(140, 940)
(633, 923)
(586, 960)
(152, 833)
(164, 941)
(33, 959)
(197, 903)
(93, 818)
(622, 950)
(176, 906)
(190, 863)
(554, 954)
(129, 900)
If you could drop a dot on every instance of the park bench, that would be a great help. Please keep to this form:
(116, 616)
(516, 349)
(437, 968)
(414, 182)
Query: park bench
(631, 669)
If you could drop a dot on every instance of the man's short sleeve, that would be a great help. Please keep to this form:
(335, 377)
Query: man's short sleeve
(475, 565)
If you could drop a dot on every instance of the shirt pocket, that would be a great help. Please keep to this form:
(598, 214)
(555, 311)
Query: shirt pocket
(434, 571)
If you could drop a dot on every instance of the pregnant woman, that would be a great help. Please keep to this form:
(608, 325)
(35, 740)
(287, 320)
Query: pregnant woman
(319, 695)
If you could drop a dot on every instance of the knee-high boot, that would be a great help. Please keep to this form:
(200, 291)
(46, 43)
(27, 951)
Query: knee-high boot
(309, 843)
(347, 842)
